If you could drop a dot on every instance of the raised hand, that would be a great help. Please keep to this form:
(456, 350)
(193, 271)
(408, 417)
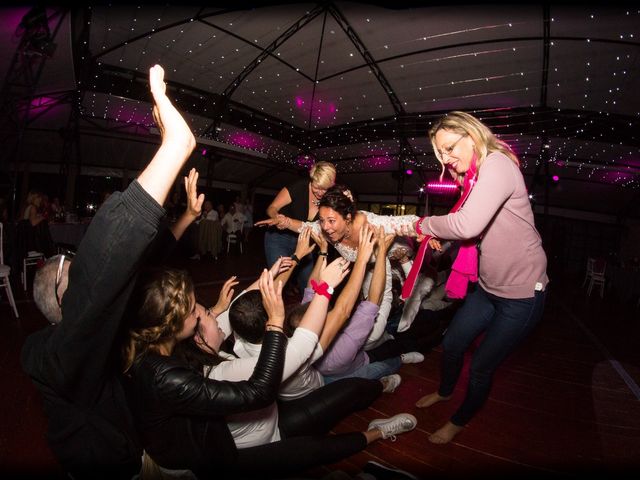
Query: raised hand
(280, 266)
(366, 242)
(335, 272)
(303, 247)
(320, 240)
(271, 298)
(194, 201)
(226, 294)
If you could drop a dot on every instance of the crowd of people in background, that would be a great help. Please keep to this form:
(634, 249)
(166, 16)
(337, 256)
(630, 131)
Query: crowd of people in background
(140, 378)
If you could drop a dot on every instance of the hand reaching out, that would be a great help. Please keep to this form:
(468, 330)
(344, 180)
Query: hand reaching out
(383, 240)
(335, 272)
(194, 201)
(280, 266)
(320, 240)
(226, 294)
(272, 298)
(303, 247)
(435, 244)
(366, 242)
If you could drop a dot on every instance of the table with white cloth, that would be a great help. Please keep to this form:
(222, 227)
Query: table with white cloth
(209, 237)
(68, 233)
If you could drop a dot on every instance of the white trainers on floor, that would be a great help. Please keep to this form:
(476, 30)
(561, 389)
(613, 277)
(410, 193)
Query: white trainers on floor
(390, 427)
(390, 382)
(412, 357)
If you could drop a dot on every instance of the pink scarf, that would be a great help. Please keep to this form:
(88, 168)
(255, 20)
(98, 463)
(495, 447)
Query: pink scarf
(465, 266)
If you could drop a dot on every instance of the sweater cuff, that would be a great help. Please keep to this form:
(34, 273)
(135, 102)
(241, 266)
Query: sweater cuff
(140, 201)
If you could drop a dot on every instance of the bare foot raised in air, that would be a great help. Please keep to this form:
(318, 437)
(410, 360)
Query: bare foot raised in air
(445, 434)
(431, 399)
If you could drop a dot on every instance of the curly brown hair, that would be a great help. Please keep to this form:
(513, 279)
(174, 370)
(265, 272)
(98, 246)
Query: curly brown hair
(159, 306)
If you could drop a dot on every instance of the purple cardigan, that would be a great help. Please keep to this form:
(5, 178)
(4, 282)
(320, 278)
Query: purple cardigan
(345, 354)
(512, 263)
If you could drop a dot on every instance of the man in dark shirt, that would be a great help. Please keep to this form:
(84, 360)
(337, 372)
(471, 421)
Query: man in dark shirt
(72, 362)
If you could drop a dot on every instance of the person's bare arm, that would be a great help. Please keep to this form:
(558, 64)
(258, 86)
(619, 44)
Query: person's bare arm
(379, 277)
(194, 205)
(303, 248)
(323, 247)
(177, 143)
(349, 295)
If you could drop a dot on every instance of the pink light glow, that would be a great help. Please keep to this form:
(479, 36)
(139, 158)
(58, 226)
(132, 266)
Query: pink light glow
(324, 109)
(555, 178)
(245, 140)
(442, 188)
(305, 160)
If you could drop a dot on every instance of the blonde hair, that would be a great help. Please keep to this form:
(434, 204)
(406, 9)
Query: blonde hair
(484, 139)
(323, 174)
(157, 311)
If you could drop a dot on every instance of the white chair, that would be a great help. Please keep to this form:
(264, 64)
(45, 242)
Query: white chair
(234, 238)
(32, 259)
(5, 270)
(597, 275)
(589, 271)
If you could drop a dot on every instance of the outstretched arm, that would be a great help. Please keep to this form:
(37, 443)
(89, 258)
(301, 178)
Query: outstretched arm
(109, 256)
(379, 277)
(177, 141)
(347, 299)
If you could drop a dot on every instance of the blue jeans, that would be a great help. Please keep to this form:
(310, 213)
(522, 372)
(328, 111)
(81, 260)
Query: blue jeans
(283, 244)
(505, 323)
(373, 371)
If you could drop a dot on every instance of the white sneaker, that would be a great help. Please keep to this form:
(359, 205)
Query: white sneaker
(412, 357)
(390, 382)
(390, 427)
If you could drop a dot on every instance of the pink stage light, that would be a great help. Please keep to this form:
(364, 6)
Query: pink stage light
(442, 188)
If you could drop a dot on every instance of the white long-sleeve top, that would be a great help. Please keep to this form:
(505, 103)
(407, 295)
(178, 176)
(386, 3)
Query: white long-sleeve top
(259, 427)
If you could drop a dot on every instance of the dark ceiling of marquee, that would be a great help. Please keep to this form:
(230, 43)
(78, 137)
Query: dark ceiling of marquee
(357, 84)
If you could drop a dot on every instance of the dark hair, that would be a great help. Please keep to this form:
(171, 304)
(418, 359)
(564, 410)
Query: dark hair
(340, 199)
(248, 317)
(190, 353)
(294, 316)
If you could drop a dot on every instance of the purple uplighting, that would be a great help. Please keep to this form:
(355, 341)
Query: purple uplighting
(555, 178)
(408, 171)
(204, 152)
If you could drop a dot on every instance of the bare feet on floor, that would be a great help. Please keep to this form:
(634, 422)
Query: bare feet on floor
(445, 434)
(430, 399)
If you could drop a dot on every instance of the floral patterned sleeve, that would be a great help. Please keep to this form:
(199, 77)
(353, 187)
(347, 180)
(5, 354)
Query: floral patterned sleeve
(390, 222)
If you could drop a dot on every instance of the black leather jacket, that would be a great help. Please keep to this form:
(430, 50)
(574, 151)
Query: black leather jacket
(180, 413)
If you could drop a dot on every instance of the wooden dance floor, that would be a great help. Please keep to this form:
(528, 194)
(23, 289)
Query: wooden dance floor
(567, 403)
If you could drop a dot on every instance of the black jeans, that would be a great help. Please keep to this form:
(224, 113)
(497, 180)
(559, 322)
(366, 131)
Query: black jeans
(304, 424)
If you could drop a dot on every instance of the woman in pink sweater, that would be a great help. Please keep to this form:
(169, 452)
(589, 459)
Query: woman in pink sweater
(508, 301)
